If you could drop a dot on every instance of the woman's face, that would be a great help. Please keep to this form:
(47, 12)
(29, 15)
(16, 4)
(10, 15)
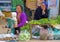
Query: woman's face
(43, 6)
(18, 9)
(41, 1)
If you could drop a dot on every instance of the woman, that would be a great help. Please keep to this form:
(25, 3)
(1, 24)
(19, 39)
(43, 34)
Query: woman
(38, 13)
(21, 19)
(41, 12)
(44, 11)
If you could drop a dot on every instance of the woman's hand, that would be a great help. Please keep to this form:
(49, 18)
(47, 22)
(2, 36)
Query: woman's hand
(43, 12)
(43, 8)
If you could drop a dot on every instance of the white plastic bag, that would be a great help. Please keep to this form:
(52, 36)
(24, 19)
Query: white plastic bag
(50, 34)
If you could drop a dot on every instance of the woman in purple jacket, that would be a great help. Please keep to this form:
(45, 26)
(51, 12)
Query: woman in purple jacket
(21, 18)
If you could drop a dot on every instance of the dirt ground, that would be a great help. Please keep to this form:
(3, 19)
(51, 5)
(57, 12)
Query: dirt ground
(4, 30)
(43, 41)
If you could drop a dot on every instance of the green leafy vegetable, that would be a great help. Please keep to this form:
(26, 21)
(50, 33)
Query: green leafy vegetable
(24, 35)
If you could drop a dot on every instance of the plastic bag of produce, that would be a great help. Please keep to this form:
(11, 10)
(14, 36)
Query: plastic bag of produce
(56, 34)
(24, 35)
(50, 34)
(36, 30)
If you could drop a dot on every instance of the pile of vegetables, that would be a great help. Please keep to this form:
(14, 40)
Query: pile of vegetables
(34, 22)
(58, 18)
(53, 21)
(45, 21)
(41, 21)
(26, 27)
(24, 35)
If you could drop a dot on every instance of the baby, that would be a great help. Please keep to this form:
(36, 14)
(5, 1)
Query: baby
(14, 17)
(11, 22)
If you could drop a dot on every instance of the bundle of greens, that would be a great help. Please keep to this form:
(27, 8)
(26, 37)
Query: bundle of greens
(24, 35)
(58, 18)
(53, 21)
(26, 27)
(34, 22)
(44, 21)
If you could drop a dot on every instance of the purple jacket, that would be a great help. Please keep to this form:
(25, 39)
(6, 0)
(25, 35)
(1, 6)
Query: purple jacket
(23, 19)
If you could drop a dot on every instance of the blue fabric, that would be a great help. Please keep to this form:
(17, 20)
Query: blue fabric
(46, 3)
(55, 32)
(10, 22)
(56, 35)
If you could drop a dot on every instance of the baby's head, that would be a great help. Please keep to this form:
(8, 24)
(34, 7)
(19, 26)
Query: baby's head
(13, 14)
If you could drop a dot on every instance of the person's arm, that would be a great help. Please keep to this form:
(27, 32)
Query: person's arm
(23, 21)
(43, 8)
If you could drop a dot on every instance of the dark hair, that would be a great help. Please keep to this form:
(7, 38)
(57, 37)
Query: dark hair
(20, 6)
(45, 26)
(51, 26)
